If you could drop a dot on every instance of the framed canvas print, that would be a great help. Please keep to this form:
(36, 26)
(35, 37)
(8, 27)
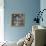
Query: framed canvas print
(17, 19)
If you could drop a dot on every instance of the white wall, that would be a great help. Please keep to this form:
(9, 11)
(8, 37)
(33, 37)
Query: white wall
(43, 6)
(1, 21)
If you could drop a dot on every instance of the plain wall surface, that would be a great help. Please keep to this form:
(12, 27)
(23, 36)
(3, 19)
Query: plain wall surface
(1, 21)
(43, 6)
(29, 7)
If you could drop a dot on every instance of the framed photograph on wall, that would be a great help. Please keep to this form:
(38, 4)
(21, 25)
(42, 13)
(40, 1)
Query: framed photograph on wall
(18, 19)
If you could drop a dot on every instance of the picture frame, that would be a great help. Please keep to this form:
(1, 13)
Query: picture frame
(17, 19)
